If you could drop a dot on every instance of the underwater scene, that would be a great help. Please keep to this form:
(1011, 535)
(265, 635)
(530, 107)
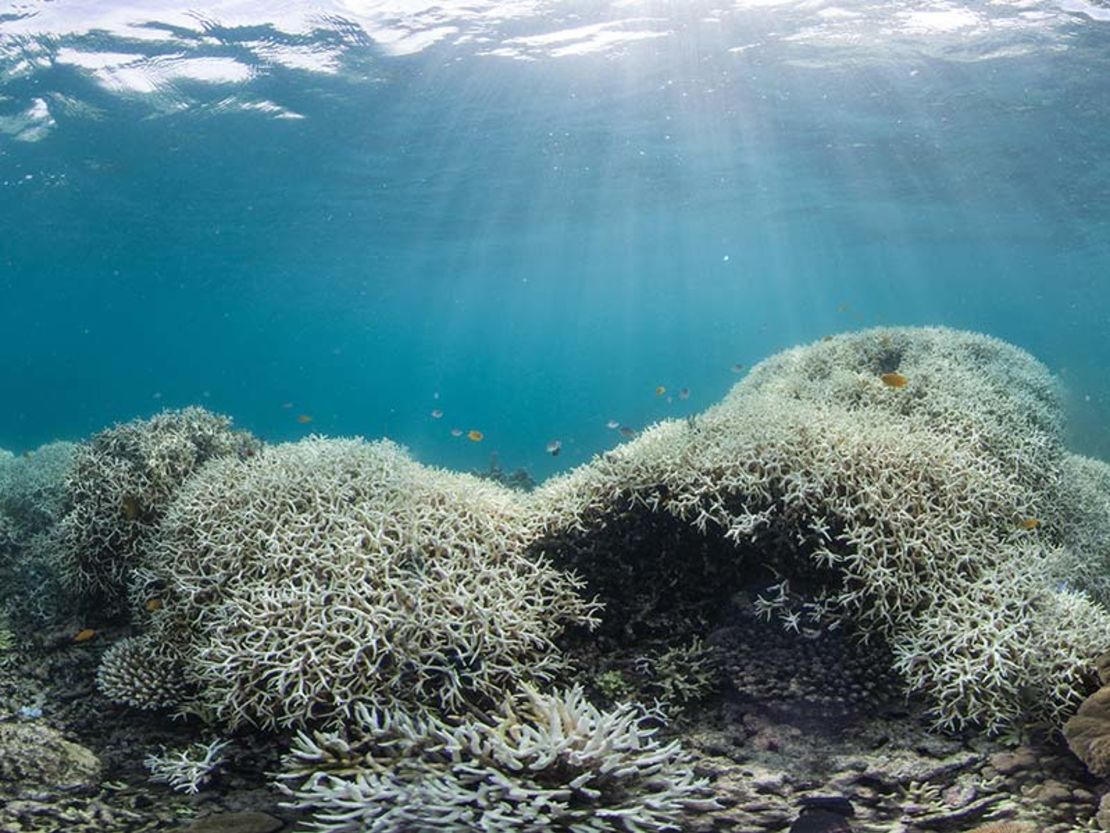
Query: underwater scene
(598, 416)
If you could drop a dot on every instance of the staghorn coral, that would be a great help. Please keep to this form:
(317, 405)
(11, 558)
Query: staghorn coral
(912, 513)
(32, 493)
(118, 487)
(548, 762)
(187, 770)
(933, 520)
(32, 489)
(322, 574)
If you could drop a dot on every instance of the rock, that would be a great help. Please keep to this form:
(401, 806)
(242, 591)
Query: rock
(1009, 763)
(1088, 732)
(34, 757)
(1103, 814)
(1051, 792)
(832, 803)
(820, 821)
(247, 822)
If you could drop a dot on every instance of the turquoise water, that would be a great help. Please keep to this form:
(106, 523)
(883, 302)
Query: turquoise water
(529, 215)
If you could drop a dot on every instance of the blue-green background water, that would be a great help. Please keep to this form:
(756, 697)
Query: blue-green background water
(537, 211)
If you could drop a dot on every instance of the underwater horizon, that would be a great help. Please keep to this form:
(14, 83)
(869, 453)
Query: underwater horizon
(531, 215)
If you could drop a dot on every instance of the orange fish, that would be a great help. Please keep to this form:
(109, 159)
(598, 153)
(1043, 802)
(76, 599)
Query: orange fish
(475, 436)
(1029, 523)
(84, 635)
(153, 605)
(894, 380)
(304, 419)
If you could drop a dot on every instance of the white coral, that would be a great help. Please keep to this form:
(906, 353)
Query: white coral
(551, 762)
(916, 507)
(322, 574)
(187, 770)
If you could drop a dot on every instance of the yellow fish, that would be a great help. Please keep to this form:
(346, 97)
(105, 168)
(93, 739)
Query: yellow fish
(1029, 523)
(894, 380)
(475, 436)
(659, 391)
(304, 419)
(153, 605)
(84, 635)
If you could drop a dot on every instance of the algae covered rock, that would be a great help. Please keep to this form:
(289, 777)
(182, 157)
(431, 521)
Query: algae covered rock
(34, 757)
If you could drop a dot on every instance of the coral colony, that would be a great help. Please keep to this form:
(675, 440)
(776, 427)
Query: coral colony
(904, 493)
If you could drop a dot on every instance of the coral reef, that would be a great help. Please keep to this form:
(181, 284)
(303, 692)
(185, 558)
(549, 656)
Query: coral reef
(923, 514)
(187, 770)
(318, 575)
(548, 762)
(118, 487)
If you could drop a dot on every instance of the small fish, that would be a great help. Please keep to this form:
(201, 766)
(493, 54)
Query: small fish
(456, 432)
(894, 380)
(612, 425)
(627, 432)
(287, 406)
(1029, 523)
(660, 390)
(131, 508)
(554, 447)
(304, 419)
(84, 635)
(684, 393)
(737, 368)
(475, 436)
(437, 414)
(152, 605)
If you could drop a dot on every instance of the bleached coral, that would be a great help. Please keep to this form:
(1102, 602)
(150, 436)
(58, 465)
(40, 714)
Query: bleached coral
(32, 493)
(32, 489)
(319, 575)
(143, 674)
(915, 512)
(549, 762)
(118, 487)
(187, 770)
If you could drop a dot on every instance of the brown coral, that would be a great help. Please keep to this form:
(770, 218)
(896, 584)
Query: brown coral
(1088, 732)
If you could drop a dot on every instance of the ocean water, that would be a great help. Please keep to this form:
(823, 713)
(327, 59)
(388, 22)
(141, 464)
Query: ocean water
(530, 215)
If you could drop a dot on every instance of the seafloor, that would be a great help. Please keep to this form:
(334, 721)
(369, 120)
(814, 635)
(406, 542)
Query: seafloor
(879, 769)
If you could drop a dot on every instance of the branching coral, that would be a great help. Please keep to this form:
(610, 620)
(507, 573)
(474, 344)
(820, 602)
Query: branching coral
(32, 489)
(322, 574)
(118, 487)
(144, 674)
(549, 762)
(187, 770)
(923, 514)
(32, 493)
